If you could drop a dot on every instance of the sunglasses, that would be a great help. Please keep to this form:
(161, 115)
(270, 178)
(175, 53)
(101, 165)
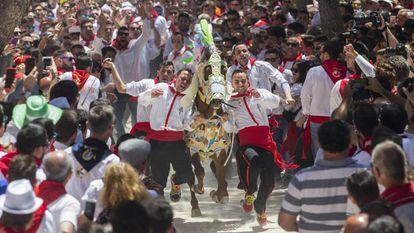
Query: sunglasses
(232, 19)
(123, 34)
(292, 44)
(271, 59)
(68, 58)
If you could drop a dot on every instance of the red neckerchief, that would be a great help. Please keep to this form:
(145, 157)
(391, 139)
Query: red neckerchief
(261, 23)
(174, 91)
(252, 61)
(156, 80)
(239, 95)
(52, 146)
(297, 58)
(37, 220)
(366, 145)
(88, 41)
(354, 76)
(80, 77)
(50, 191)
(343, 84)
(117, 47)
(21, 59)
(179, 53)
(60, 71)
(281, 69)
(334, 69)
(7, 158)
(399, 195)
(352, 151)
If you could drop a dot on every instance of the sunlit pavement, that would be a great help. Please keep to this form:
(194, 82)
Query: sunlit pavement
(223, 217)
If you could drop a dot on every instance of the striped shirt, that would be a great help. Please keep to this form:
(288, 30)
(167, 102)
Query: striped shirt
(318, 195)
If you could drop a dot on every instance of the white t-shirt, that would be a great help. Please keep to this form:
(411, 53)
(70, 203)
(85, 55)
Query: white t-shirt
(65, 209)
(81, 179)
(47, 225)
(89, 91)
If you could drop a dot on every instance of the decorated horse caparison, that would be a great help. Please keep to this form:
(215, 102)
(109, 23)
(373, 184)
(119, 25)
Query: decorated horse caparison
(206, 95)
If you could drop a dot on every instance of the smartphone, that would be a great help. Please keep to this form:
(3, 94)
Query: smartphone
(35, 53)
(10, 73)
(89, 210)
(47, 61)
(30, 64)
(14, 40)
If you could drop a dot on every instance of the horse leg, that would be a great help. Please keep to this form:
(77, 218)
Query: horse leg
(195, 209)
(221, 195)
(199, 173)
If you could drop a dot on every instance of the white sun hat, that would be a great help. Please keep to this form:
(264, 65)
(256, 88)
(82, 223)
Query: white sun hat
(20, 198)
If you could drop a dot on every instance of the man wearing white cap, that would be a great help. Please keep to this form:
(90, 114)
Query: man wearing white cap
(23, 211)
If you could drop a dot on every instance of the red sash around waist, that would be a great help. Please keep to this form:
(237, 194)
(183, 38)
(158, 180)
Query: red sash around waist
(141, 126)
(307, 132)
(260, 136)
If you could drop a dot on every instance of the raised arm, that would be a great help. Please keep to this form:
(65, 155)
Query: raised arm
(119, 84)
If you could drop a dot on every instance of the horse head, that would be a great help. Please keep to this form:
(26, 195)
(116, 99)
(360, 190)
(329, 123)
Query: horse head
(209, 81)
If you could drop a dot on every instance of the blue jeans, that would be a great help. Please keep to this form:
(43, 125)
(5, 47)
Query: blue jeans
(279, 135)
(314, 127)
(119, 107)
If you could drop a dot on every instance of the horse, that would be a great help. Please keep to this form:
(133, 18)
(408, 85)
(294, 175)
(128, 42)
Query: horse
(207, 93)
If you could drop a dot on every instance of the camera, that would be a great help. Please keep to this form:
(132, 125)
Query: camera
(400, 50)
(373, 17)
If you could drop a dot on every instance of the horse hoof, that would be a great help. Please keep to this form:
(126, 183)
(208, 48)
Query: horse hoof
(214, 196)
(195, 213)
(225, 200)
(197, 188)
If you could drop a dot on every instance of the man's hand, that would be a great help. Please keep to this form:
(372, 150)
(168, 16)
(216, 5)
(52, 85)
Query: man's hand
(107, 64)
(156, 92)
(21, 68)
(349, 51)
(8, 49)
(254, 92)
(290, 101)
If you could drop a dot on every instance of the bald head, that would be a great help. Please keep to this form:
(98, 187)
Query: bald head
(57, 166)
(356, 224)
(390, 159)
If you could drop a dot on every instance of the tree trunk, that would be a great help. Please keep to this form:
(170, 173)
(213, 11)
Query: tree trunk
(12, 13)
(331, 19)
(301, 4)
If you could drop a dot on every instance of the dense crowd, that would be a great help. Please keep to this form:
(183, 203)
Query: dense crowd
(93, 113)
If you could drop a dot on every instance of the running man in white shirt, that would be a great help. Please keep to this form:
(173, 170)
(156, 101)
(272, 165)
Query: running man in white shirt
(165, 74)
(258, 153)
(168, 120)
